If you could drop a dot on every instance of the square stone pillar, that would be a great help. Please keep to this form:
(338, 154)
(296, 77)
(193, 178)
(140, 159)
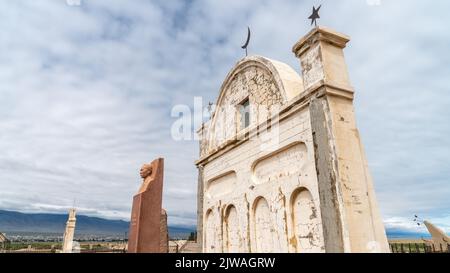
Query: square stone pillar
(200, 189)
(349, 211)
(322, 58)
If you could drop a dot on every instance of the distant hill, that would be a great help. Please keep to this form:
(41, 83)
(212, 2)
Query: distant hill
(11, 221)
(401, 234)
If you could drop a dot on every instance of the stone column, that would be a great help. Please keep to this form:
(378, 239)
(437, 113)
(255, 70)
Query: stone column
(69, 232)
(200, 207)
(350, 216)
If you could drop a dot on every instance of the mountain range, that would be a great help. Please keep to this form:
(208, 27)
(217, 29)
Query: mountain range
(14, 222)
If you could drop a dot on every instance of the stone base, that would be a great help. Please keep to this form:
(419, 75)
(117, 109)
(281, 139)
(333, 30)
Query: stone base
(144, 226)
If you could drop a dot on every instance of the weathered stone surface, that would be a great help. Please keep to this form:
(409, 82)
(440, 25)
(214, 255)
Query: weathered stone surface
(200, 195)
(300, 182)
(146, 230)
(259, 80)
(350, 214)
(164, 233)
(69, 232)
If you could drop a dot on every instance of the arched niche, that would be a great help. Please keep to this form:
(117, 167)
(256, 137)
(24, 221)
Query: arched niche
(232, 243)
(264, 233)
(306, 222)
(280, 165)
(221, 185)
(210, 232)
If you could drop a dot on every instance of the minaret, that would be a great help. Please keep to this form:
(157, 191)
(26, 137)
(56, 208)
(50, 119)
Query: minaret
(68, 234)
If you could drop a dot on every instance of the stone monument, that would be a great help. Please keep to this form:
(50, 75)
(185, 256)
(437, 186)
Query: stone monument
(4, 242)
(148, 226)
(439, 240)
(282, 167)
(69, 232)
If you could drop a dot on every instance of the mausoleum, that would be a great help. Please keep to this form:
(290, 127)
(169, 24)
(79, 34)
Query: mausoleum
(282, 166)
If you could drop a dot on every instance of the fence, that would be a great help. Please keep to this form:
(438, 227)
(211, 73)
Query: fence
(419, 248)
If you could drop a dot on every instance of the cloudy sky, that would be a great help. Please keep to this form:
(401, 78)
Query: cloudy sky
(86, 94)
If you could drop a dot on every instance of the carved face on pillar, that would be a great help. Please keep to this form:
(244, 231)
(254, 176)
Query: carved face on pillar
(146, 170)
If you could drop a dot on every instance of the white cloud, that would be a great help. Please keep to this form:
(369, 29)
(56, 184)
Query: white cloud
(409, 225)
(86, 94)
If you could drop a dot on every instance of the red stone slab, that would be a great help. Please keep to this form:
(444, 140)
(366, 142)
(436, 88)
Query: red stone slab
(145, 228)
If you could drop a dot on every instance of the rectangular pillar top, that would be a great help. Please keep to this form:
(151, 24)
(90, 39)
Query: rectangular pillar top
(319, 34)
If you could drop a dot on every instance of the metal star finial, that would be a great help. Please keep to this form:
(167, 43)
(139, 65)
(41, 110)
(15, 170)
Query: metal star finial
(315, 15)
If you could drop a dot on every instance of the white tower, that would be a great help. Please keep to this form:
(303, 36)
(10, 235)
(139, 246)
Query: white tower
(69, 232)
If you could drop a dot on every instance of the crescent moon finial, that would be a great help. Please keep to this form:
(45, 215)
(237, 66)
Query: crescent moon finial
(247, 42)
